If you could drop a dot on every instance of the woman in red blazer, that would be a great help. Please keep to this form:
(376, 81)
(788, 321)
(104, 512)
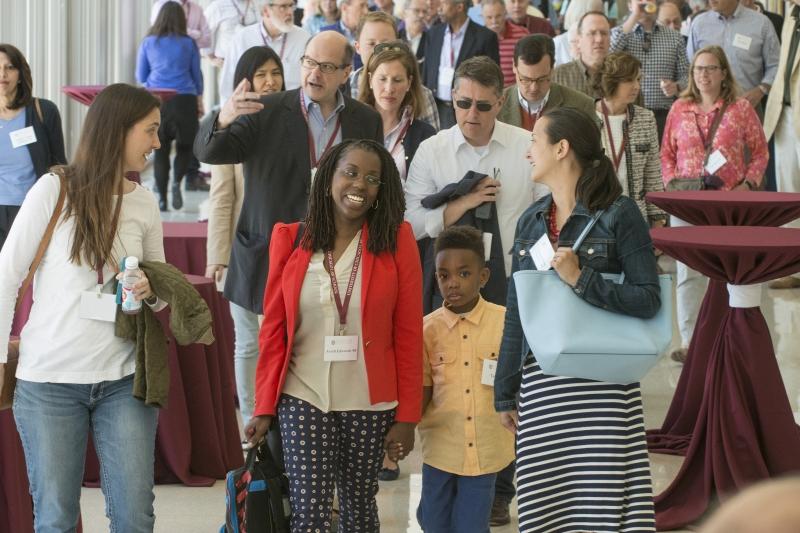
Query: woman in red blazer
(342, 370)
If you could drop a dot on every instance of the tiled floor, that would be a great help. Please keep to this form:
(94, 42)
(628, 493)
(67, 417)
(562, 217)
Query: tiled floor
(192, 510)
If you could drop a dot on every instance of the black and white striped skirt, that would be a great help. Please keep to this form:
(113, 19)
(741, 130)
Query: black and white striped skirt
(582, 461)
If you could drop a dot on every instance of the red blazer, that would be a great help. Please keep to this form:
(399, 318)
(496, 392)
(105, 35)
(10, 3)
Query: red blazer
(391, 321)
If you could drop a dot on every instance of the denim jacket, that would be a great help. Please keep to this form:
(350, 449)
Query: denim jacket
(619, 242)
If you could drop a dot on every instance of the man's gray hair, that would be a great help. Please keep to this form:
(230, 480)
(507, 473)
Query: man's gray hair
(483, 71)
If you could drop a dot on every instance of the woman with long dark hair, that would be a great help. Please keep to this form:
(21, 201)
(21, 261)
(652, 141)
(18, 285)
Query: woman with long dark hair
(23, 158)
(582, 460)
(169, 59)
(341, 342)
(262, 68)
(75, 376)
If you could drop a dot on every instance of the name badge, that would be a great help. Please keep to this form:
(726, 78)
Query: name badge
(96, 305)
(22, 137)
(542, 253)
(715, 162)
(489, 370)
(341, 348)
(742, 41)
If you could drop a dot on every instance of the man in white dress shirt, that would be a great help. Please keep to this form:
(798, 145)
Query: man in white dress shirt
(478, 142)
(276, 31)
(224, 18)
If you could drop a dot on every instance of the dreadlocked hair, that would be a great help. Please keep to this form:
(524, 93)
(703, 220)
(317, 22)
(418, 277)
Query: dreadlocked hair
(383, 221)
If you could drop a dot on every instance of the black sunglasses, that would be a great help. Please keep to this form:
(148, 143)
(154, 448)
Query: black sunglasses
(466, 103)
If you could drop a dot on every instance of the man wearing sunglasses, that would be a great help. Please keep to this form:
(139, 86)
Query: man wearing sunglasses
(534, 93)
(480, 143)
(280, 138)
(276, 30)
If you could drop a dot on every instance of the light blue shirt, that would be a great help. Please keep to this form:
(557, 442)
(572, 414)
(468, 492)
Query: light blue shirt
(17, 174)
(321, 128)
(452, 41)
(476, 14)
(749, 41)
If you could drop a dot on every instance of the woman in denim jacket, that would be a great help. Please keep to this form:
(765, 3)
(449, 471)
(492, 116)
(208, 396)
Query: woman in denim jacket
(581, 454)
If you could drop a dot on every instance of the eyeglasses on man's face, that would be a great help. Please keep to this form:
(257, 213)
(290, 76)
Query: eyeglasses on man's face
(527, 82)
(325, 67)
(467, 103)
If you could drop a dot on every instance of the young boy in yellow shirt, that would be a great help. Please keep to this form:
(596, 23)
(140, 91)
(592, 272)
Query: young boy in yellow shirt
(463, 443)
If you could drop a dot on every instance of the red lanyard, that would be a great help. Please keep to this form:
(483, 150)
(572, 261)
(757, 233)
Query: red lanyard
(616, 158)
(342, 307)
(242, 14)
(452, 49)
(312, 147)
(264, 38)
(400, 137)
(552, 225)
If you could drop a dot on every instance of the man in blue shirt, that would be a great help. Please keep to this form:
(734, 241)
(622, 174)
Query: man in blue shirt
(749, 41)
(352, 11)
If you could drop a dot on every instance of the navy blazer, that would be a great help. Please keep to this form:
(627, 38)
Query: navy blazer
(337, 27)
(48, 150)
(273, 145)
(478, 41)
(417, 132)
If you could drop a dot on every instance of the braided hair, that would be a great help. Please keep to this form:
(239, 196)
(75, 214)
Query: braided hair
(383, 221)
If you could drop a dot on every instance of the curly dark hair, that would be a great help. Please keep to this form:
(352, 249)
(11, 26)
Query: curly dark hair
(383, 221)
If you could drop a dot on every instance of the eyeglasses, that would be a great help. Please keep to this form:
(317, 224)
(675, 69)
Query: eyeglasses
(283, 7)
(710, 69)
(352, 175)
(466, 103)
(326, 68)
(530, 81)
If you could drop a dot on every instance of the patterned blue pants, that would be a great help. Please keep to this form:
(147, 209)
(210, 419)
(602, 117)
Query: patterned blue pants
(326, 451)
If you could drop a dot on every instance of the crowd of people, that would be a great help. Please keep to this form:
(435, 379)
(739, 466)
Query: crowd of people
(378, 173)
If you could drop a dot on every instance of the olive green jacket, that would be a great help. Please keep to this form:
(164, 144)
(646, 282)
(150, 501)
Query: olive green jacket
(560, 96)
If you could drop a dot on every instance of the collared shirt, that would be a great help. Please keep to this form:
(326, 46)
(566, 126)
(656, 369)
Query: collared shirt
(563, 53)
(527, 106)
(329, 386)
(291, 44)
(511, 34)
(575, 76)
(448, 59)
(322, 128)
(682, 153)
(413, 42)
(427, 112)
(394, 143)
(460, 430)
(447, 156)
(749, 41)
(346, 32)
(196, 25)
(225, 17)
(662, 53)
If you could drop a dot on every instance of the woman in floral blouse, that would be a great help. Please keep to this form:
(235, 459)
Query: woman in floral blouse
(689, 150)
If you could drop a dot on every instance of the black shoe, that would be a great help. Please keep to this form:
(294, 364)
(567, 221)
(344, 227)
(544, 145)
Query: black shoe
(177, 197)
(389, 474)
(197, 184)
(500, 515)
(162, 203)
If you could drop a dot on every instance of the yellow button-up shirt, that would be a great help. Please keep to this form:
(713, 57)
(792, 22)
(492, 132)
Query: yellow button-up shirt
(460, 430)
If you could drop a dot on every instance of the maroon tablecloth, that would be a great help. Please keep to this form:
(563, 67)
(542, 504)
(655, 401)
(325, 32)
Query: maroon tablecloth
(85, 94)
(185, 246)
(729, 208)
(743, 429)
(197, 440)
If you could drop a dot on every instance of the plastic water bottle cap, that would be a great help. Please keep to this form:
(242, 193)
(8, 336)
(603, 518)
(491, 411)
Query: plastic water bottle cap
(131, 263)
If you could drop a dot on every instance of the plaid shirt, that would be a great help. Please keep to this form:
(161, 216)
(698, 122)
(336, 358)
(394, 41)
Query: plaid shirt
(427, 112)
(662, 53)
(574, 76)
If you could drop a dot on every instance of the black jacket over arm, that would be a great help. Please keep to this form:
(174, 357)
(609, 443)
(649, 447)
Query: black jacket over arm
(273, 145)
(48, 150)
(478, 41)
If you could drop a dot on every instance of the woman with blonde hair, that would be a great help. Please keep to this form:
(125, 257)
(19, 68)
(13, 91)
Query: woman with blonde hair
(392, 86)
(629, 132)
(713, 139)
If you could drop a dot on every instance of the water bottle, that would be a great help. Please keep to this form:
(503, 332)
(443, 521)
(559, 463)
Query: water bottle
(131, 276)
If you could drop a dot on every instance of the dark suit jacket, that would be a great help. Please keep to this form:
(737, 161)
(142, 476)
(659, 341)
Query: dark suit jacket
(337, 27)
(48, 150)
(560, 96)
(273, 145)
(478, 41)
(417, 132)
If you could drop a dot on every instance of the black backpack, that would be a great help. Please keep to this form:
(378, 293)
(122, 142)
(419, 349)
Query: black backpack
(257, 496)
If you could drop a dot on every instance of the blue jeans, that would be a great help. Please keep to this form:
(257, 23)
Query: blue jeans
(245, 357)
(54, 420)
(451, 503)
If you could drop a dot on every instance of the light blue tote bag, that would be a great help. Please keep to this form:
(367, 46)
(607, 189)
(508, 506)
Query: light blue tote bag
(572, 338)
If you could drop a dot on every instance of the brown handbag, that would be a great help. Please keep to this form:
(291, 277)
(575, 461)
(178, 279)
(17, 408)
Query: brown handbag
(8, 370)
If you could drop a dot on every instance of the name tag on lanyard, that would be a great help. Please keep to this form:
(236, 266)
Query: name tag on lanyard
(342, 347)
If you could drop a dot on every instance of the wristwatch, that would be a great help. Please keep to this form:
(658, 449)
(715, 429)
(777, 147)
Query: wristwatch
(152, 301)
